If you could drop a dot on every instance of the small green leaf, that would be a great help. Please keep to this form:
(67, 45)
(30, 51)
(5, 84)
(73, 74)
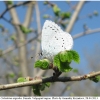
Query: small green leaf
(13, 37)
(36, 90)
(63, 56)
(56, 10)
(1, 53)
(42, 87)
(96, 13)
(56, 61)
(38, 63)
(65, 15)
(69, 56)
(76, 56)
(46, 16)
(68, 88)
(25, 30)
(39, 87)
(45, 2)
(47, 84)
(75, 70)
(64, 67)
(43, 64)
(10, 2)
(66, 56)
(68, 1)
(12, 75)
(21, 79)
(16, 63)
(63, 59)
(1, 26)
(95, 79)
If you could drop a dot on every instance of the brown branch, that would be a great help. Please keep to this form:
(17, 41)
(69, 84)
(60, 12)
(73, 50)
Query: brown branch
(86, 33)
(18, 46)
(49, 79)
(13, 6)
(22, 84)
(37, 50)
(29, 14)
(21, 51)
(73, 78)
(38, 28)
(74, 16)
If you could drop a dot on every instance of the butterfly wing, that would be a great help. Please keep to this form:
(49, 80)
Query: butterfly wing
(49, 30)
(60, 42)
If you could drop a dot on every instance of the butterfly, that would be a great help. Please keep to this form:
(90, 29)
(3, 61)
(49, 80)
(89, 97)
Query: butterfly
(54, 40)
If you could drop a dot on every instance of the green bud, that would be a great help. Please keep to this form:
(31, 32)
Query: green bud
(46, 16)
(96, 13)
(56, 10)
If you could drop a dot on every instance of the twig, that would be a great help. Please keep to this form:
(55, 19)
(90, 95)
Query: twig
(29, 14)
(13, 6)
(8, 21)
(86, 33)
(50, 3)
(49, 79)
(20, 45)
